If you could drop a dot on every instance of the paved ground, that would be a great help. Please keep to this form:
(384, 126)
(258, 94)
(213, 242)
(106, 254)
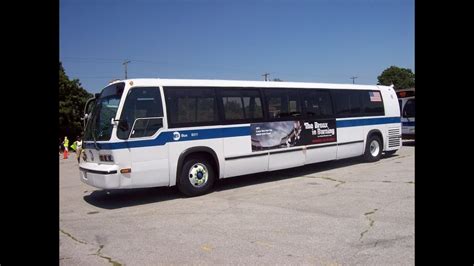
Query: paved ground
(333, 213)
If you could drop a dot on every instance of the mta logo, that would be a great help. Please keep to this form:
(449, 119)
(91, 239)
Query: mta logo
(176, 135)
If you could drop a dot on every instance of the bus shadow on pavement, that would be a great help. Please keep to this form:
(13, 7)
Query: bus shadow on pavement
(115, 199)
(121, 198)
(409, 143)
(265, 177)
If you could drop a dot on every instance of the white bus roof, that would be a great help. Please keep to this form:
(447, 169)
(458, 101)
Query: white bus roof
(244, 83)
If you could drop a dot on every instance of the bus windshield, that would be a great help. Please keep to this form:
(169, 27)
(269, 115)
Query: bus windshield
(99, 125)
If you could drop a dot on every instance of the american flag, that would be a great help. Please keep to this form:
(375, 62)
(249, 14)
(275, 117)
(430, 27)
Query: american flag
(375, 96)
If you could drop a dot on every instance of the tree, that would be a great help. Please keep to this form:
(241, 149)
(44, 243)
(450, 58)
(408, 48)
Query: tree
(401, 78)
(72, 99)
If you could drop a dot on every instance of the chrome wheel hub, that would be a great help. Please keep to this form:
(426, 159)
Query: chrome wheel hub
(198, 175)
(374, 148)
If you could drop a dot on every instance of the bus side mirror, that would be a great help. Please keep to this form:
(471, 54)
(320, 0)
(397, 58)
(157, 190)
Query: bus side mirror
(85, 117)
(87, 110)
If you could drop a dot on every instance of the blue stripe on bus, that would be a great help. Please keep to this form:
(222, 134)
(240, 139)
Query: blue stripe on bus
(227, 132)
(367, 121)
(408, 124)
(167, 136)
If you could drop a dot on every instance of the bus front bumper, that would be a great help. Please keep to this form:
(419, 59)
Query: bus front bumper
(100, 176)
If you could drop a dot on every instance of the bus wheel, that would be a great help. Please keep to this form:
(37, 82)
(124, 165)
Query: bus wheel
(373, 149)
(197, 177)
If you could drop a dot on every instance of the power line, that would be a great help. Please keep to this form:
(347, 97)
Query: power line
(90, 59)
(104, 77)
(158, 63)
(183, 65)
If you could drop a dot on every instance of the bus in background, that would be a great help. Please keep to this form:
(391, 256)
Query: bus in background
(406, 100)
(189, 133)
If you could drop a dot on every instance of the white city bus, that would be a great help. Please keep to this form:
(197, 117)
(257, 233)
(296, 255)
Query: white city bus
(188, 133)
(406, 100)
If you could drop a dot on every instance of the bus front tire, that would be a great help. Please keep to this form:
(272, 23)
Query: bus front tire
(197, 177)
(373, 149)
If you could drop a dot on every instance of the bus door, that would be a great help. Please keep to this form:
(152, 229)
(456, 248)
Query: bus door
(141, 123)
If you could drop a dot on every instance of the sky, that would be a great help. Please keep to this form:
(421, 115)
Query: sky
(326, 41)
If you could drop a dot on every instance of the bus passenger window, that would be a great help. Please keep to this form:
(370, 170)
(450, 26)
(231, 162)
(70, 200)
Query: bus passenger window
(274, 107)
(372, 103)
(241, 104)
(347, 103)
(190, 105)
(233, 108)
(253, 107)
(282, 103)
(317, 103)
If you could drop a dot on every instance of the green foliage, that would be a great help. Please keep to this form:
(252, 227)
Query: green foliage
(72, 99)
(401, 78)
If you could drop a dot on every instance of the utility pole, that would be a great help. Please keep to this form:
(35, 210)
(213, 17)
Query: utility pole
(125, 64)
(266, 76)
(353, 78)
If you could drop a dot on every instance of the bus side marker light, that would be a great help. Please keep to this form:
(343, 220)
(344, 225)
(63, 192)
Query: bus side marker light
(125, 170)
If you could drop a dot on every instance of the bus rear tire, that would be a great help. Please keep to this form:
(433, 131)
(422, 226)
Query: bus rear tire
(197, 177)
(373, 149)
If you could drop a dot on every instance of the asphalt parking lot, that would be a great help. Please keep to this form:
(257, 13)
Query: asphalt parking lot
(333, 213)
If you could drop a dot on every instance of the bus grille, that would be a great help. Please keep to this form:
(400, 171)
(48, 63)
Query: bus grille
(393, 137)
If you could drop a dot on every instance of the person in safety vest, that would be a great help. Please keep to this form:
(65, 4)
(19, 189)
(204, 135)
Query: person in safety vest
(66, 147)
(77, 146)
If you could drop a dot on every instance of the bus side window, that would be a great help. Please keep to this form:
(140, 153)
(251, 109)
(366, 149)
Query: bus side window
(347, 103)
(317, 103)
(274, 106)
(282, 103)
(372, 103)
(189, 106)
(241, 104)
(233, 108)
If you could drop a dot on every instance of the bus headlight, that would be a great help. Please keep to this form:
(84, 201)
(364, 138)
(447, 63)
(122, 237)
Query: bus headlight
(84, 156)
